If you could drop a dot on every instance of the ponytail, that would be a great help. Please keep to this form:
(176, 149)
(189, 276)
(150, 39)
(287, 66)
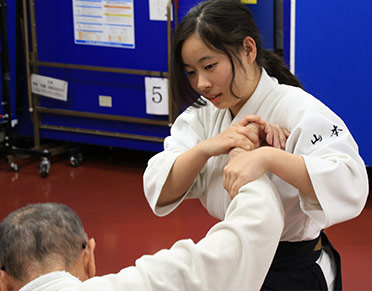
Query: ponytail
(275, 67)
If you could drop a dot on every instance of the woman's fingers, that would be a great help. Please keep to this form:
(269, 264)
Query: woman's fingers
(251, 118)
(275, 135)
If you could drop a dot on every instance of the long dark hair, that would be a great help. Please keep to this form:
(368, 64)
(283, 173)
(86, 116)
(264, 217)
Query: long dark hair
(222, 25)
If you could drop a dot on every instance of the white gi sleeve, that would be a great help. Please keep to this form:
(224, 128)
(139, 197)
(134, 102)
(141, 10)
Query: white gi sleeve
(186, 132)
(336, 170)
(236, 253)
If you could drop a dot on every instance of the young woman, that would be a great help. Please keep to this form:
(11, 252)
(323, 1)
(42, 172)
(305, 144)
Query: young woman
(220, 70)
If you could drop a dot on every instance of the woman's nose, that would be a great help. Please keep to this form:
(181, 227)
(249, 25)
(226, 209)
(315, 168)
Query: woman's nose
(203, 82)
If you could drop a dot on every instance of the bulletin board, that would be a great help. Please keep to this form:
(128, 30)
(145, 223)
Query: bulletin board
(118, 98)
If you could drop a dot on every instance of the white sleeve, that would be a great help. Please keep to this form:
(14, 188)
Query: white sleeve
(236, 253)
(186, 132)
(336, 170)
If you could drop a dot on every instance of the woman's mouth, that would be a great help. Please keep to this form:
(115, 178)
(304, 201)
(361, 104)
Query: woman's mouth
(214, 99)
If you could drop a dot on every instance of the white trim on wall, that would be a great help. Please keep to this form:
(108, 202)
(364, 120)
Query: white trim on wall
(292, 37)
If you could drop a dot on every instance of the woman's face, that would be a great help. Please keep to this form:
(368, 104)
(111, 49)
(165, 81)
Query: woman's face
(210, 74)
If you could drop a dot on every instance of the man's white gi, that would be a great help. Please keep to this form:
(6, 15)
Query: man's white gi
(51, 282)
(235, 254)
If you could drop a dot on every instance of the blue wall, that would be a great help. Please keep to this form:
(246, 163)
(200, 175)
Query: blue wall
(333, 60)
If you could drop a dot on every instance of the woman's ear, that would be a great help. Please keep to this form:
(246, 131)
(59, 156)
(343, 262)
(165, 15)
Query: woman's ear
(250, 49)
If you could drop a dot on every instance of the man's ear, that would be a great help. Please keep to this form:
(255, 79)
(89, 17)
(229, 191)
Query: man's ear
(250, 49)
(3, 281)
(7, 282)
(90, 264)
(85, 266)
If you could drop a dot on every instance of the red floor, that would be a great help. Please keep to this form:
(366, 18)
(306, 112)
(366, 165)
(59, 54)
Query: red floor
(106, 191)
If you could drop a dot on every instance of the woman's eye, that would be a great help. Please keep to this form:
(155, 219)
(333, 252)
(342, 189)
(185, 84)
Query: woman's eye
(209, 66)
(190, 73)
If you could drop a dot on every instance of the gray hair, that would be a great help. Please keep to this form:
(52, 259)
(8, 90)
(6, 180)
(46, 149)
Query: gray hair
(40, 234)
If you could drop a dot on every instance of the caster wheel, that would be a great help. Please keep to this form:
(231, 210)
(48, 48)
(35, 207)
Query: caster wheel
(14, 166)
(76, 160)
(44, 168)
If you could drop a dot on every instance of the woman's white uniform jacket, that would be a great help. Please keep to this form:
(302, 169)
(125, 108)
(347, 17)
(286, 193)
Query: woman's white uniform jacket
(336, 170)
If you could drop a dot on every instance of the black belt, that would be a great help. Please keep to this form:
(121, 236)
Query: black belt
(294, 266)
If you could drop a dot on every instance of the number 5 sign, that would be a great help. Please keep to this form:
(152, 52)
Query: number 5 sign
(156, 96)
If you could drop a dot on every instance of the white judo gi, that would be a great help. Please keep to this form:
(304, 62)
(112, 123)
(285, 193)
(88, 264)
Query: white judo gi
(234, 255)
(336, 170)
(51, 282)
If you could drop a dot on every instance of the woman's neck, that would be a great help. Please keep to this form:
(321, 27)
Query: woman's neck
(254, 78)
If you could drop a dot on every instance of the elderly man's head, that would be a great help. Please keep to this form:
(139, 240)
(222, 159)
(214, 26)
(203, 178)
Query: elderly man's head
(42, 238)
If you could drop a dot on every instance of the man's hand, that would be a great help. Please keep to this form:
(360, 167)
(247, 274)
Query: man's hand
(242, 168)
